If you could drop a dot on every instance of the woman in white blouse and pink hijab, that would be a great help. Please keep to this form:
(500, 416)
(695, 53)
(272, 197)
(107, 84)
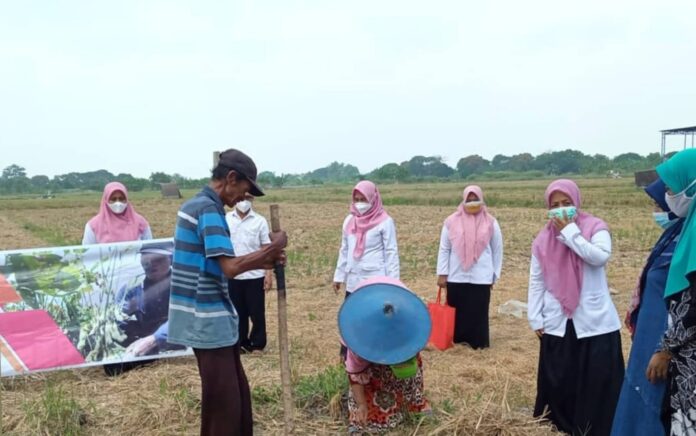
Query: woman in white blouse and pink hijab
(581, 366)
(368, 245)
(468, 264)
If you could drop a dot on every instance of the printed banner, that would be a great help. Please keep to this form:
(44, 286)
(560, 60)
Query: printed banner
(68, 307)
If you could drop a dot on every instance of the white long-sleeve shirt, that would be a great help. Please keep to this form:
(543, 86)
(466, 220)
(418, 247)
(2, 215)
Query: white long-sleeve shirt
(248, 235)
(90, 238)
(595, 314)
(380, 258)
(486, 270)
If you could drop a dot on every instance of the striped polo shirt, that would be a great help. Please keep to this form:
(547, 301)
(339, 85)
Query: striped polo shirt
(201, 314)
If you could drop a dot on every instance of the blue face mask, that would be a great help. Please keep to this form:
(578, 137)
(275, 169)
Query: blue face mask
(662, 219)
(570, 212)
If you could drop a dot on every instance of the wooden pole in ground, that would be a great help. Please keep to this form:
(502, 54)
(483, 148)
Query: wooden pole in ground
(283, 344)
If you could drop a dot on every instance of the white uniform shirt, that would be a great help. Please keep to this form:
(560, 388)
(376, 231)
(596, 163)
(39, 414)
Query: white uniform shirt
(380, 258)
(485, 271)
(248, 235)
(89, 238)
(595, 314)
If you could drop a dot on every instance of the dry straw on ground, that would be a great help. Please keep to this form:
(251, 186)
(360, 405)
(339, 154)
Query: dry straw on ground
(486, 392)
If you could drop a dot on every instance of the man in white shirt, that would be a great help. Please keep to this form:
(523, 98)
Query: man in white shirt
(249, 233)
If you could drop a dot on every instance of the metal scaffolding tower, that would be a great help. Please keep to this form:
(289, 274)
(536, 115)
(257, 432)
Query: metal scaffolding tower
(686, 131)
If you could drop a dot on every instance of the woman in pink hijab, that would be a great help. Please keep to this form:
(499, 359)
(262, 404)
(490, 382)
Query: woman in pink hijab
(117, 220)
(468, 264)
(581, 365)
(368, 245)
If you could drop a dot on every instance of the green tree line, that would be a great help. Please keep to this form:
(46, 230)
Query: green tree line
(14, 179)
(433, 168)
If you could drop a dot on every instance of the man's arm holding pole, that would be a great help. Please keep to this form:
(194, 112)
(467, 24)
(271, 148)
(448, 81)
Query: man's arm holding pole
(265, 258)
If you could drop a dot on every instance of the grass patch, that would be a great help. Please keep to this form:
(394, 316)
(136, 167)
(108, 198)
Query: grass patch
(186, 402)
(269, 400)
(51, 235)
(447, 406)
(186, 399)
(416, 420)
(318, 391)
(56, 412)
(266, 395)
(316, 394)
(501, 190)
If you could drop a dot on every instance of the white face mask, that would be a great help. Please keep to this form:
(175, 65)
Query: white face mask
(362, 207)
(244, 206)
(118, 207)
(679, 203)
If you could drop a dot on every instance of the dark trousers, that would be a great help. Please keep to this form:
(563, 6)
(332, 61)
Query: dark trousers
(249, 298)
(579, 381)
(226, 399)
(471, 303)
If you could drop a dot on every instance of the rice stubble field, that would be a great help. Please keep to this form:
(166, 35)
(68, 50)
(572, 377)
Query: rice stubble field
(482, 392)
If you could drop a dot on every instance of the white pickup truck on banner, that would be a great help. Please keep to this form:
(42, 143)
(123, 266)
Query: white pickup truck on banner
(67, 307)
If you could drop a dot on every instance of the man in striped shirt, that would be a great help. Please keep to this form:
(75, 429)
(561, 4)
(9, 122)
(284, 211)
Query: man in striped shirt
(201, 313)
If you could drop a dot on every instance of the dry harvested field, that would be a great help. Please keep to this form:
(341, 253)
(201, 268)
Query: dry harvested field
(488, 392)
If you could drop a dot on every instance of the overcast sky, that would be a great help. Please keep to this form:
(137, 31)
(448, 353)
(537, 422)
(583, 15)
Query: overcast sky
(141, 86)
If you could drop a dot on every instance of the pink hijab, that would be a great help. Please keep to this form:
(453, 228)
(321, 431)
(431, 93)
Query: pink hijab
(470, 234)
(360, 224)
(110, 227)
(562, 268)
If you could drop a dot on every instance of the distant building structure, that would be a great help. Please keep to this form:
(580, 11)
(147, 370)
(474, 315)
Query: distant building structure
(170, 190)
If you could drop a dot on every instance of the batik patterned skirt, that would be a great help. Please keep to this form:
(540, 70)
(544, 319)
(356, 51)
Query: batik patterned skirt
(389, 399)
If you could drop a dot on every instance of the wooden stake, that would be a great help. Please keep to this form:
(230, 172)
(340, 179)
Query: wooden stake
(283, 344)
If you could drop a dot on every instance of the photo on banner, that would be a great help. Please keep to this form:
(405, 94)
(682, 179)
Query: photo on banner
(80, 306)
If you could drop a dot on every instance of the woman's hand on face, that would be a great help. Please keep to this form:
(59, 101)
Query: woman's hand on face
(658, 368)
(561, 223)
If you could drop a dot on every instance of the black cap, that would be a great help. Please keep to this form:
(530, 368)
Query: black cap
(242, 164)
(158, 247)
